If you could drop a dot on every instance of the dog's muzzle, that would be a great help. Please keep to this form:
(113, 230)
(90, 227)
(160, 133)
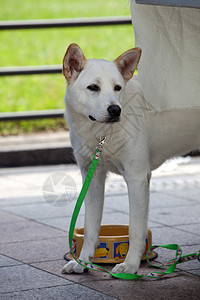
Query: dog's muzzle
(114, 112)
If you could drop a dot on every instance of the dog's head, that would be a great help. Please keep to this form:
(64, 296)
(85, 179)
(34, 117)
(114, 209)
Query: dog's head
(95, 86)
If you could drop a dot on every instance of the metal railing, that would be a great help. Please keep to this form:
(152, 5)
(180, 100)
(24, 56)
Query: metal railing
(57, 23)
(31, 70)
(30, 115)
(55, 69)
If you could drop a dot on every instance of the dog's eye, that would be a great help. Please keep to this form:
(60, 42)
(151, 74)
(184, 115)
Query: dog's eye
(93, 88)
(117, 88)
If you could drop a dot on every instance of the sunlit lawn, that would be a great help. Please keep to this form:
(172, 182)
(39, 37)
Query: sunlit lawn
(47, 47)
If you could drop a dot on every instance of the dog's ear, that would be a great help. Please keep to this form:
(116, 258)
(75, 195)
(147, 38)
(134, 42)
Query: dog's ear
(73, 62)
(127, 62)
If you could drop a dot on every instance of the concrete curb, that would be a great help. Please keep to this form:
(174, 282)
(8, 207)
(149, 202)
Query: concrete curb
(36, 149)
(49, 148)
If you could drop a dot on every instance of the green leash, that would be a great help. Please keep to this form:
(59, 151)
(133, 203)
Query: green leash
(128, 276)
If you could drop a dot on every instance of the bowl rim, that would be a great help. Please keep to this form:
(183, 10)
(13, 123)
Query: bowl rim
(81, 235)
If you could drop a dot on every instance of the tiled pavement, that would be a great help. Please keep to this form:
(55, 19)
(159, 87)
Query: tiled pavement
(34, 234)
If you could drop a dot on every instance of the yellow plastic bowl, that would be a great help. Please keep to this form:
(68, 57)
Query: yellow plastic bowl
(113, 244)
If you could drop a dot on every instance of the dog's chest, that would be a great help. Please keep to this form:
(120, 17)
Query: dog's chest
(111, 157)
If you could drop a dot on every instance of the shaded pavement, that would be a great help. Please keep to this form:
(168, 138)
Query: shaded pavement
(34, 234)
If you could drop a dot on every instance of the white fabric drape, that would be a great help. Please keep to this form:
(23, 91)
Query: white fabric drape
(169, 69)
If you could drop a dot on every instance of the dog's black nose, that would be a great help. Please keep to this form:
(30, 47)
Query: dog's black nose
(114, 110)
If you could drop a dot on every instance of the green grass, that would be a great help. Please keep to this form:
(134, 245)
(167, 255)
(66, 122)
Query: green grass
(47, 47)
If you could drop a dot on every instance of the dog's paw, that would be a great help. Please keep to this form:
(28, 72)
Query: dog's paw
(73, 267)
(125, 268)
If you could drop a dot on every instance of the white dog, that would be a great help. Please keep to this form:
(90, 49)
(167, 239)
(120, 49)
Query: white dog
(102, 100)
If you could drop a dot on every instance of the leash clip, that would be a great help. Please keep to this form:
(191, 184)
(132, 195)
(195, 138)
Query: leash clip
(99, 148)
(102, 142)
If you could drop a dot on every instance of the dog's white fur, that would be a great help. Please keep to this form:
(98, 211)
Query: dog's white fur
(138, 143)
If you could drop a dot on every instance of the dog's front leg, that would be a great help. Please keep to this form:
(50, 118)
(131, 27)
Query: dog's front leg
(93, 213)
(138, 190)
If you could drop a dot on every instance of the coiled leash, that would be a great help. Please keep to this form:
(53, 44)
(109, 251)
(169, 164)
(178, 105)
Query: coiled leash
(128, 276)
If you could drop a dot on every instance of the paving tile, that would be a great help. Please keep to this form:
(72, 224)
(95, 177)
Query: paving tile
(194, 272)
(16, 199)
(6, 261)
(191, 248)
(175, 182)
(192, 265)
(14, 186)
(38, 169)
(180, 286)
(108, 218)
(10, 218)
(101, 280)
(165, 255)
(115, 218)
(117, 203)
(169, 235)
(162, 200)
(191, 228)
(63, 223)
(189, 193)
(43, 246)
(27, 183)
(56, 266)
(157, 200)
(26, 231)
(36, 251)
(71, 292)
(175, 215)
(40, 210)
(23, 277)
(153, 224)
